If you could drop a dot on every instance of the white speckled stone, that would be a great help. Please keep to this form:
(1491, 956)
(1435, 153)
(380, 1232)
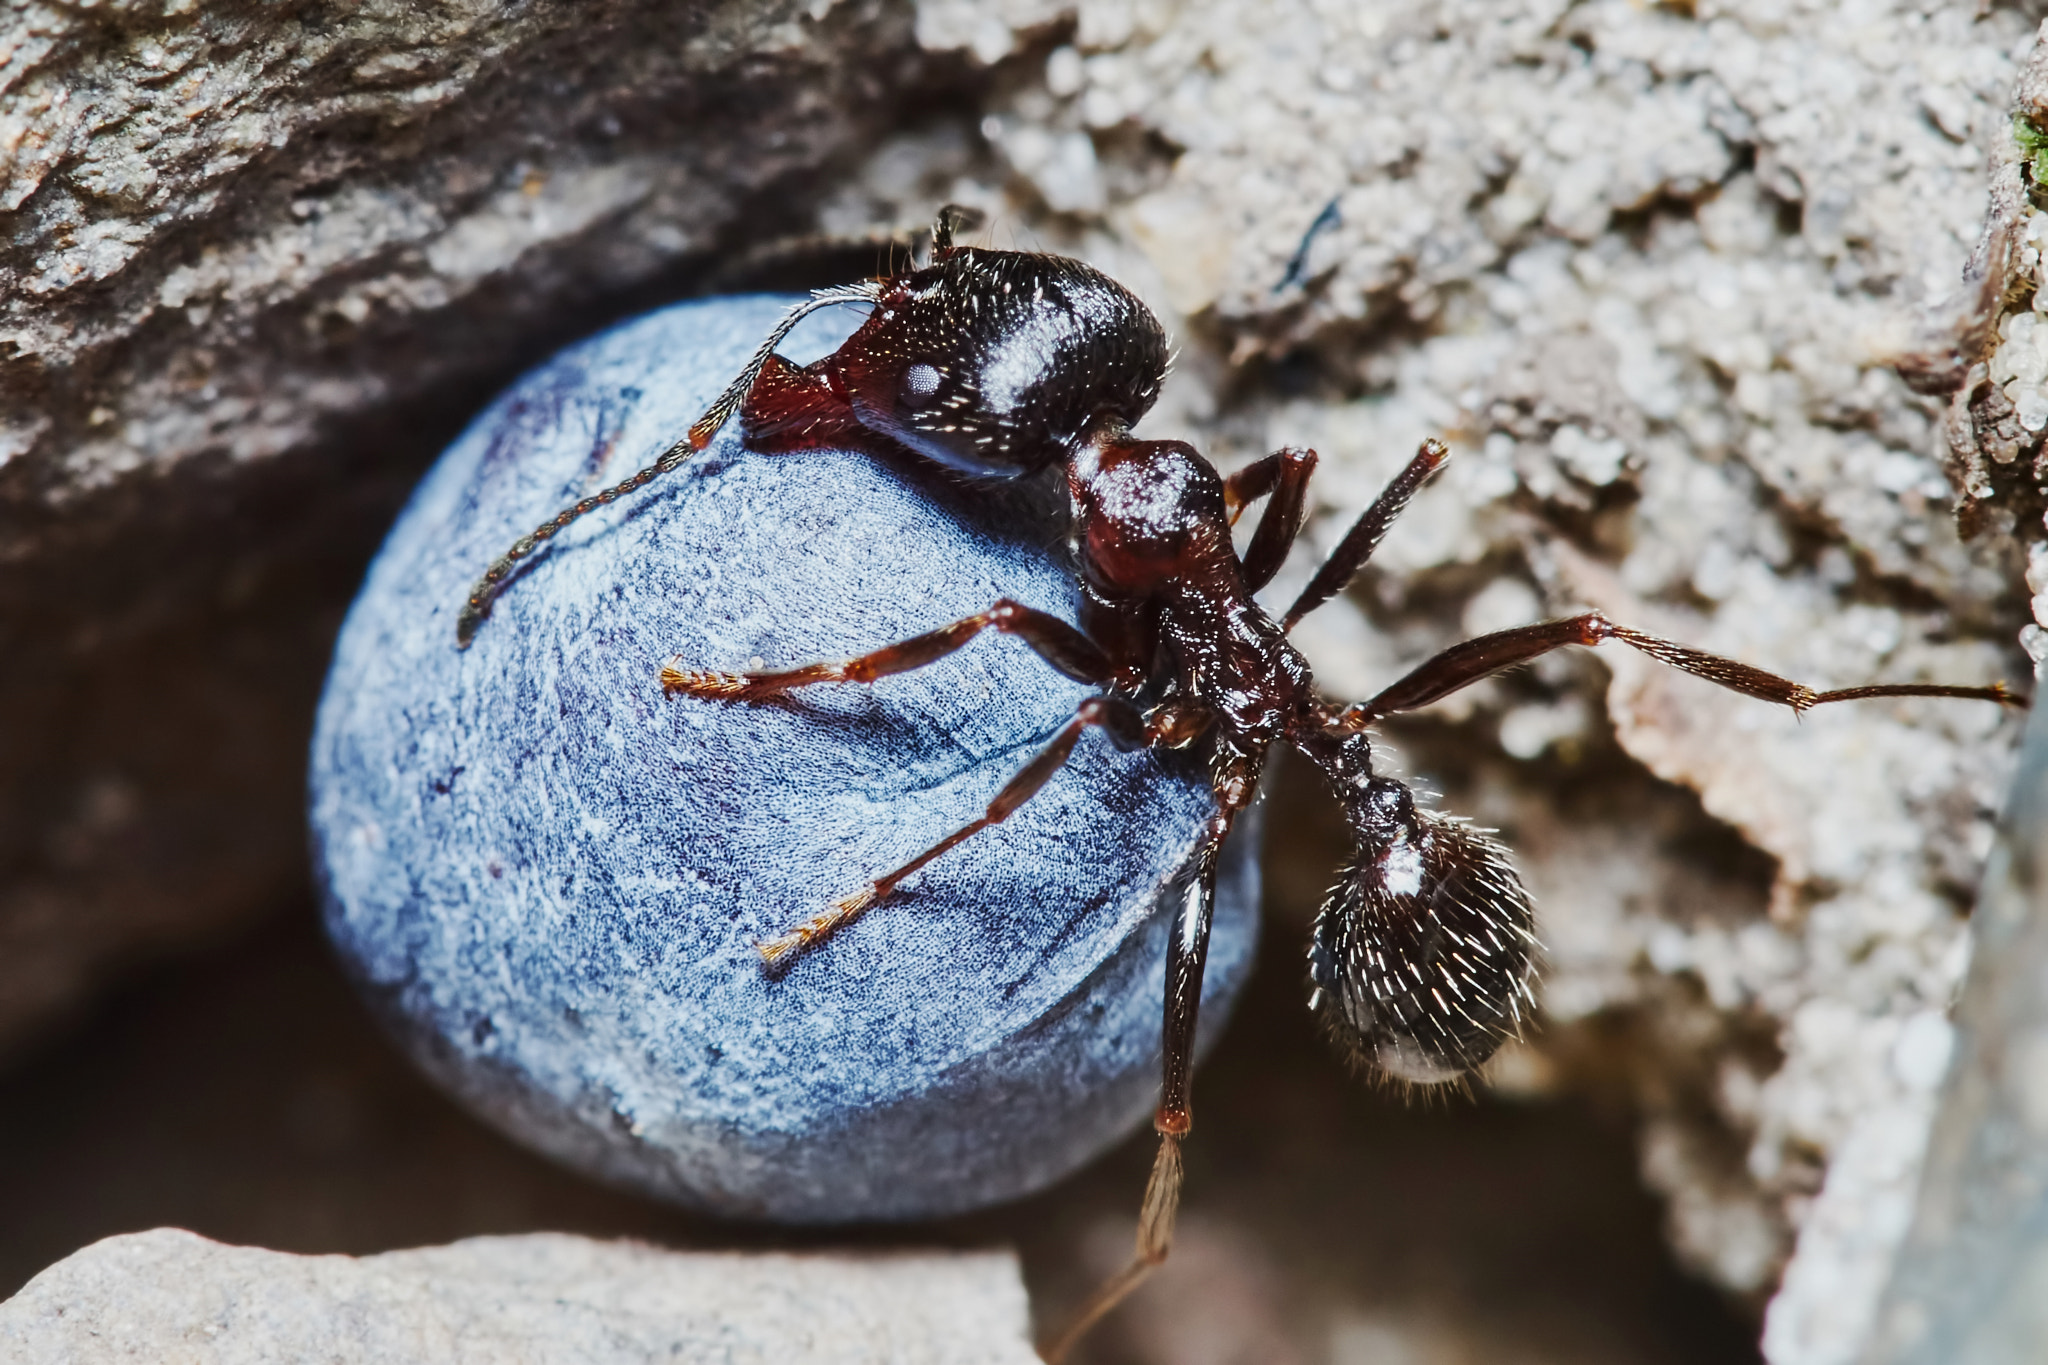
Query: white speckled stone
(544, 1299)
(548, 876)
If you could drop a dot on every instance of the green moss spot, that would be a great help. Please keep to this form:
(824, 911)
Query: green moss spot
(2033, 144)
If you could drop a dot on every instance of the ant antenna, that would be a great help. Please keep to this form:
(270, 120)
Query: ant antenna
(705, 427)
(701, 431)
(954, 218)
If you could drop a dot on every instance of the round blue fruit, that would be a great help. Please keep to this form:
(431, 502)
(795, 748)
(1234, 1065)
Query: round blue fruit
(548, 876)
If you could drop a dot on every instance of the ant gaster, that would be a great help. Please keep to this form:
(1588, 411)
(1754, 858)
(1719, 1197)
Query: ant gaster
(999, 364)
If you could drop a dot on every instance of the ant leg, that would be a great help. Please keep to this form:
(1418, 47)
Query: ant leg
(1056, 642)
(1366, 533)
(1281, 521)
(1128, 633)
(1186, 952)
(1119, 718)
(1464, 664)
(1254, 481)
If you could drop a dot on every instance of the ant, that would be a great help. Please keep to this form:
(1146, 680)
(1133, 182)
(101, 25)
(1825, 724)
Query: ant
(996, 365)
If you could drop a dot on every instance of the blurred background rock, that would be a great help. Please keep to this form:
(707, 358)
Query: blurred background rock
(1652, 269)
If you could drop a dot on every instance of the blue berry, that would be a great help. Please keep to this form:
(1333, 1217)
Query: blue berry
(548, 877)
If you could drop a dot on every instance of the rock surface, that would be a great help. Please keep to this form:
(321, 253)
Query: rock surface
(1988, 353)
(1653, 265)
(257, 262)
(1971, 1281)
(170, 1295)
(548, 876)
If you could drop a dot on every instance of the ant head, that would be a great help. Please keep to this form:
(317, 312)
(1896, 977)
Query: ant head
(1421, 961)
(999, 363)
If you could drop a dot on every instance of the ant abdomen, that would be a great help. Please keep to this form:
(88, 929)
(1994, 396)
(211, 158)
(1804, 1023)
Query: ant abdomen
(1421, 961)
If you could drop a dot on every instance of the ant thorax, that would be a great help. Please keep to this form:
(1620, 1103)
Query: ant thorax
(1151, 532)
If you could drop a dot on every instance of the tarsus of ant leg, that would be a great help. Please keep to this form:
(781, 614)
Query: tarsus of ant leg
(1464, 664)
(1119, 717)
(1155, 1240)
(1366, 533)
(1254, 481)
(1186, 953)
(487, 588)
(1280, 523)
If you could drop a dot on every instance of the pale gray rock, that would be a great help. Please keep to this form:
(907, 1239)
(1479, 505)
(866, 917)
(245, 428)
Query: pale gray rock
(539, 1299)
(228, 225)
(1971, 1283)
(1988, 351)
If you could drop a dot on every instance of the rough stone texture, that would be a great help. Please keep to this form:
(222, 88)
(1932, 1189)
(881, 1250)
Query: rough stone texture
(548, 875)
(183, 181)
(1989, 352)
(1651, 266)
(250, 257)
(172, 1296)
(1981, 350)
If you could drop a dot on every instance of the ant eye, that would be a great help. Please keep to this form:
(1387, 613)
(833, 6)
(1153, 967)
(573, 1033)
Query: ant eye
(920, 383)
(1421, 960)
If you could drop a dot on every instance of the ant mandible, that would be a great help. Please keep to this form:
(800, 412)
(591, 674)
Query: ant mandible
(999, 364)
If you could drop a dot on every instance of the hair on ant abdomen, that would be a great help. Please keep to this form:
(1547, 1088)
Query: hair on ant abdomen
(1000, 364)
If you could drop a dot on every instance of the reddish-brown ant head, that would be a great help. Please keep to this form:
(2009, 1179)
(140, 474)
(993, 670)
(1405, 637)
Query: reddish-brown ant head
(1421, 961)
(998, 363)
